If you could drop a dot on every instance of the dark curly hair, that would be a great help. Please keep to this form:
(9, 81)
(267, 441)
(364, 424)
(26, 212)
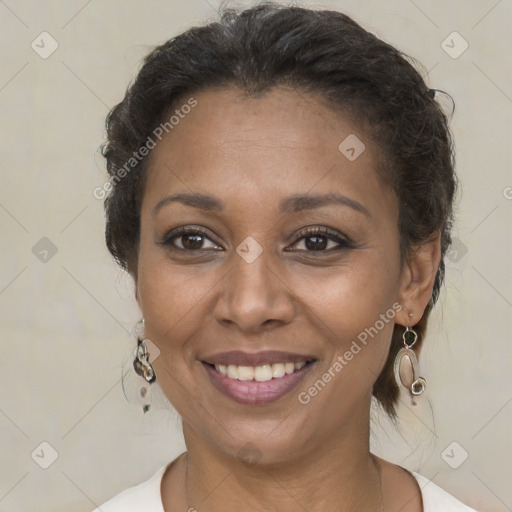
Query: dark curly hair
(322, 52)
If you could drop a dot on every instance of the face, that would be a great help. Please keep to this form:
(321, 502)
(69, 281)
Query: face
(291, 255)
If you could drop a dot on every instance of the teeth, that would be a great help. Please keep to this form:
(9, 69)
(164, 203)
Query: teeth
(263, 373)
(232, 371)
(258, 373)
(278, 371)
(245, 372)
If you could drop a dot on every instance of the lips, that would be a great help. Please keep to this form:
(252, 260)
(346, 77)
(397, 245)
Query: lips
(254, 392)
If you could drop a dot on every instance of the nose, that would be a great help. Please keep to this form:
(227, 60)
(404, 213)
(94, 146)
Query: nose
(253, 296)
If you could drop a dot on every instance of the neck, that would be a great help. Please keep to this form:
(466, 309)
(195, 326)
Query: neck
(339, 470)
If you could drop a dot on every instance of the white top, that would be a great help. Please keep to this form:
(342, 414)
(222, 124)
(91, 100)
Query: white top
(147, 497)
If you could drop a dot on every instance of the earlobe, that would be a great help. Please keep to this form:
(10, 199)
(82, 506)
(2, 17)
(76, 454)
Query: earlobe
(418, 278)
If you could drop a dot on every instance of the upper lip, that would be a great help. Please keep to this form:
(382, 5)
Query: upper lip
(240, 358)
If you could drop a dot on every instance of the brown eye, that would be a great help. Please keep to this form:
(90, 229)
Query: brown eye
(320, 240)
(316, 243)
(189, 239)
(191, 242)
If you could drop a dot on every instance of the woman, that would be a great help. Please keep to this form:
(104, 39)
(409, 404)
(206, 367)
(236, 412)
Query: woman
(282, 188)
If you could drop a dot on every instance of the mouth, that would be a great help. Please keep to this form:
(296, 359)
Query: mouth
(261, 373)
(264, 381)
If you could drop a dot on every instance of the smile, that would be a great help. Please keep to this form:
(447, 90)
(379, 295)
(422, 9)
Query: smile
(259, 373)
(260, 384)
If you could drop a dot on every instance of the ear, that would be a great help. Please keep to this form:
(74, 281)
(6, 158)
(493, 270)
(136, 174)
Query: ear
(417, 281)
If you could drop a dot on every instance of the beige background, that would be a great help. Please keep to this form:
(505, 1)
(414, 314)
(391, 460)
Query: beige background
(67, 323)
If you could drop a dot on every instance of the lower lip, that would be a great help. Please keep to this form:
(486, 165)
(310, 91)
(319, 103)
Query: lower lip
(253, 392)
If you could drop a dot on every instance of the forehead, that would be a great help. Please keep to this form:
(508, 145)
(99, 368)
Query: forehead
(281, 117)
(280, 143)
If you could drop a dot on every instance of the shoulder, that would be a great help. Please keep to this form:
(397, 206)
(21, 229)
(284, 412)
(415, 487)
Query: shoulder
(436, 499)
(145, 496)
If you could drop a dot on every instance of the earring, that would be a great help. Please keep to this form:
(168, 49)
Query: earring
(137, 374)
(141, 363)
(406, 366)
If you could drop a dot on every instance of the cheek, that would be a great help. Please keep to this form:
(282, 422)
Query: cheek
(352, 309)
(167, 292)
(169, 298)
(352, 295)
(354, 314)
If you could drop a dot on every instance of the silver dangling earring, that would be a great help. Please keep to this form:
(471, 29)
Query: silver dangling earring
(141, 363)
(143, 368)
(137, 373)
(406, 366)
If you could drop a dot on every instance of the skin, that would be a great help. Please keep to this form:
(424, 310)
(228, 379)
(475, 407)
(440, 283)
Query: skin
(251, 153)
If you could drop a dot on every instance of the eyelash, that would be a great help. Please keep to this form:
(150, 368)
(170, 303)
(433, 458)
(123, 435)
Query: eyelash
(324, 232)
(302, 235)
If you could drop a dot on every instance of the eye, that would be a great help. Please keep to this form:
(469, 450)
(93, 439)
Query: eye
(321, 240)
(189, 239)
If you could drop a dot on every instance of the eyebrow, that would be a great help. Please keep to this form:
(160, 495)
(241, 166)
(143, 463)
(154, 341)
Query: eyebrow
(200, 201)
(296, 203)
